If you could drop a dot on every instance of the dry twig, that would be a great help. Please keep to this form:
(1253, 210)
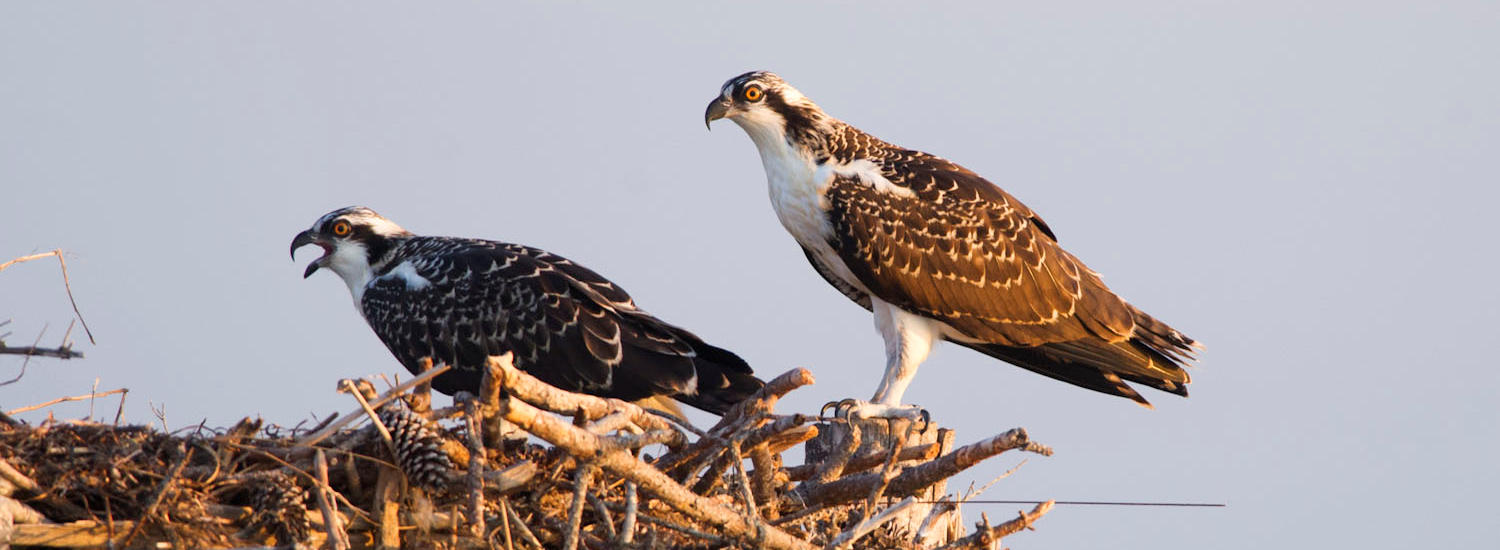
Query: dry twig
(14, 412)
(337, 537)
(847, 538)
(66, 285)
(911, 480)
(335, 426)
(582, 478)
(61, 352)
(985, 535)
(477, 459)
(616, 459)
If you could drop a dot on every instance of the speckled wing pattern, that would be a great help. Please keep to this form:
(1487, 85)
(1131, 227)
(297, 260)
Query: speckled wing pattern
(566, 324)
(961, 250)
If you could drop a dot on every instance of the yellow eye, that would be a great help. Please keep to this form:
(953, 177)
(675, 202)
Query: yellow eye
(753, 93)
(341, 228)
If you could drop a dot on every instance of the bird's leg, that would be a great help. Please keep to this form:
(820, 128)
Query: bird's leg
(908, 340)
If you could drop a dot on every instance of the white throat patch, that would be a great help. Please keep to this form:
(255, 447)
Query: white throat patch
(352, 264)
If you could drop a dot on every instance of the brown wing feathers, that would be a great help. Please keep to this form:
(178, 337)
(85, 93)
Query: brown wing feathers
(961, 250)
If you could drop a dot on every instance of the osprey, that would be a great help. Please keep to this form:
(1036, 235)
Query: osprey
(459, 301)
(936, 252)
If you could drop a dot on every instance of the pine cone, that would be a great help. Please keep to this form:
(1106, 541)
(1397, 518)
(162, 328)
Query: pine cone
(419, 450)
(280, 507)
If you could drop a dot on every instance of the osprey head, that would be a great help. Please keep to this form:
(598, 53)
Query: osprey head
(353, 239)
(767, 107)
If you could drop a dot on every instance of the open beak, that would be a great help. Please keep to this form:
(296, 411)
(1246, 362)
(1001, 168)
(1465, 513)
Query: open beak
(306, 238)
(717, 110)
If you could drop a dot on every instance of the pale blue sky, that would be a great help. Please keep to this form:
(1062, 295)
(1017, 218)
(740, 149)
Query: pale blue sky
(1307, 188)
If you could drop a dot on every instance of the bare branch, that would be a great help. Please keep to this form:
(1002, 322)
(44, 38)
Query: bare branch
(66, 285)
(28, 258)
(850, 488)
(15, 477)
(847, 538)
(763, 400)
(19, 512)
(161, 491)
(867, 460)
(60, 352)
(360, 392)
(548, 397)
(715, 539)
(583, 476)
(477, 459)
(621, 462)
(515, 520)
(14, 412)
(632, 508)
(337, 538)
(393, 393)
(986, 535)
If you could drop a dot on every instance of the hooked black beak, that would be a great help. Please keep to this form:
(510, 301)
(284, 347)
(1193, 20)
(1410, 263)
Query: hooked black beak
(716, 110)
(303, 239)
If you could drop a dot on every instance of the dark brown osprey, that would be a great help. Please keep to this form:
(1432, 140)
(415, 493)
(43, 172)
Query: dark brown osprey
(936, 252)
(459, 301)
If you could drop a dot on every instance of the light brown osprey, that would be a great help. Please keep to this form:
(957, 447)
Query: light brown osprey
(936, 252)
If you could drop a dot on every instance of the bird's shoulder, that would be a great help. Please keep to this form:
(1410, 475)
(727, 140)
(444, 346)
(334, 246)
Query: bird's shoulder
(488, 266)
(926, 181)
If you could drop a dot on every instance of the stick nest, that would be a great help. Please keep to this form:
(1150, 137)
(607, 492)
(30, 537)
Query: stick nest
(522, 465)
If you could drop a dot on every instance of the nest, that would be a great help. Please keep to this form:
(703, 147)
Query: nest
(523, 465)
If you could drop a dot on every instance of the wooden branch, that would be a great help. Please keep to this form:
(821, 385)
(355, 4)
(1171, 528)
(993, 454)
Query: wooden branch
(583, 476)
(361, 393)
(612, 422)
(779, 443)
(763, 400)
(477, 460)
(710, 537)
(337, 538)
(29, 258)
(850, 488)
(66, 285)
(14, 412)
(548, 397)
(867, 460)
(692, 457)
(622, 463)
(746, 494)
(421, 397)
(63, 352)
(512, 478)
(18, 512)
(939, 509)
(161, 492)
(388, 506)
(29, 486)
(742, 438)
(604, 517)
(887, 472)
(79, 534)
(16, 478)
(766, 477)
(585, 539)
(847, 538)
(985, 535)
(833, 465)
(510, 543)
(390, 394)
(515, 520)
(632, 508)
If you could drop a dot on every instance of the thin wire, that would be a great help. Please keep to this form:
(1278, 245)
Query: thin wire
(1092, 503)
